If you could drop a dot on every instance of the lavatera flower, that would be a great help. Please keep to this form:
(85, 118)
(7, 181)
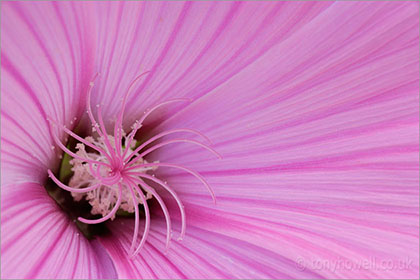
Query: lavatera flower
(209, 140)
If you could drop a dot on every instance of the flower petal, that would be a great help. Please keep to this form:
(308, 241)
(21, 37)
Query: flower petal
(320, 146)
(46, 64)
(189, 48)
(39, 241)
(203, 254)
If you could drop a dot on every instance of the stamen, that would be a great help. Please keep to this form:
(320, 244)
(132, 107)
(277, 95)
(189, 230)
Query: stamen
(111, 177)
(110, 214)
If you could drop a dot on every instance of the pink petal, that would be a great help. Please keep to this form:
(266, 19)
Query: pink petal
(190, 48)
(320, 145)
(46, 64)
(314, 107)
(203, 254)
(39, 241)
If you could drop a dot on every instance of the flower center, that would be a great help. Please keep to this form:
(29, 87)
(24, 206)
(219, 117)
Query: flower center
(111, 172)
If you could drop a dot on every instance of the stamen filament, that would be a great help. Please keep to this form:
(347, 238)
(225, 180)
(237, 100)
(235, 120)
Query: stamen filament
(147, 222)
(77, 137)
(136, 216)
(162, 205)
(118, 121)
(111, 150)
(176, 141)
(58, 142)
(174, 195)
(165, 133)
(89, 108)
(70, 189)
(146, 114)
(195, 174)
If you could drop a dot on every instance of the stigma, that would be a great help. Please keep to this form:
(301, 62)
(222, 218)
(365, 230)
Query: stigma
(110, 170)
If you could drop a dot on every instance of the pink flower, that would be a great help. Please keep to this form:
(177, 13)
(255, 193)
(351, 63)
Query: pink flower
(314, 108)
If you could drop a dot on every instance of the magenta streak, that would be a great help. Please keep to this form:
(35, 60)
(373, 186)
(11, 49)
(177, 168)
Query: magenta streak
(169, 42)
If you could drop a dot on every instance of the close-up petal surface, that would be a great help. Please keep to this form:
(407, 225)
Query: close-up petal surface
(46, 64)
(38, 241)
(209, 140)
